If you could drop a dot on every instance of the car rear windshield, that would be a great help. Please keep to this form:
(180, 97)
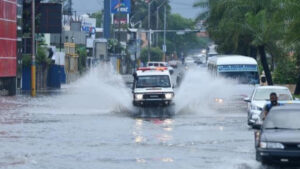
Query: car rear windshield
(153, 81)
(264, 94)
(283, 119)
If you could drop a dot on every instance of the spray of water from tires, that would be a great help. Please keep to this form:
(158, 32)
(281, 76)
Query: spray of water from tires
(199, 90)
(100, 91)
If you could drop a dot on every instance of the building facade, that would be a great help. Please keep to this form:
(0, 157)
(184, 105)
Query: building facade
(8, 46)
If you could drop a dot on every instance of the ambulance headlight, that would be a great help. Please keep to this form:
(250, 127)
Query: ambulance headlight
(169, 96)
(139, 96)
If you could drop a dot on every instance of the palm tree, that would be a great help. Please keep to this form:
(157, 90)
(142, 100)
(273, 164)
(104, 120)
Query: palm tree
(292, 14)
(244, 26)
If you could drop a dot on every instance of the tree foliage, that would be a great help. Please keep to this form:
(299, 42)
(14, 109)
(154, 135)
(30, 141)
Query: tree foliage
(182, 43)
(155, 53)
(241, 26)
(267, 26)
(98, 16)
(175, 43)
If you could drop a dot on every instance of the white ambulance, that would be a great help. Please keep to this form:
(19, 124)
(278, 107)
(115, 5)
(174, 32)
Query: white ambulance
(152, 87)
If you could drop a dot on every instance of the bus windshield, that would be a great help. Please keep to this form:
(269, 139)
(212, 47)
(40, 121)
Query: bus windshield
(242, 77)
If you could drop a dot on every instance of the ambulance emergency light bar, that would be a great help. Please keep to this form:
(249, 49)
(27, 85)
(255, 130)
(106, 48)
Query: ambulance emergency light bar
(150, 68)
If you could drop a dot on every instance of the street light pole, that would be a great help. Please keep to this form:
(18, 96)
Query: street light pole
(149, 28)
(120, 59)
(33, 64)
(165, 28)
(157, 20)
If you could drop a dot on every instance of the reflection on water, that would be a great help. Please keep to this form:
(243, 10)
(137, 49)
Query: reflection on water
(138, 132)
(149, 131)
(139, 160)
(164, 160)
(164, 131)
(167, 160)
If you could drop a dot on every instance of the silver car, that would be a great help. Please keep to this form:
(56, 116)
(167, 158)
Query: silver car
(260, 97)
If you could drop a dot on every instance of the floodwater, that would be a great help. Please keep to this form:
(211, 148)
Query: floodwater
(87, 125)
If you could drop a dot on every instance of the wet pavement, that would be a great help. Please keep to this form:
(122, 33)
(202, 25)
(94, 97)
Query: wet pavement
(74, 130)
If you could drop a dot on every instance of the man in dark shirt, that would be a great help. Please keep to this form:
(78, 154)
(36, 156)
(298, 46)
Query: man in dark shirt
(268, 107)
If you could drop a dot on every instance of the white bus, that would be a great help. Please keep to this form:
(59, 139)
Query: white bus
(241, 68)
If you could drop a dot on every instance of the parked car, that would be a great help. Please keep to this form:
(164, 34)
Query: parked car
(278, 140)
(260, 98)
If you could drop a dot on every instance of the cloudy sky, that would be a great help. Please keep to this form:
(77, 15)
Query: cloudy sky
(183, 7)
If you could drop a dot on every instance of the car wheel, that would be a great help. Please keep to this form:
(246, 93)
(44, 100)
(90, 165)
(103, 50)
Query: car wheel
(249, 122)
(264, 162)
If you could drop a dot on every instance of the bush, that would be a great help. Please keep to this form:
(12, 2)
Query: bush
(286, 72)
(155, 53)
(82, 53)
(26, 59)
(41, 56)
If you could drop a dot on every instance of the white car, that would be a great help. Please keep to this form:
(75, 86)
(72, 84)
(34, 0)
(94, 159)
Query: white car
(152, 87)
(161, 64)
(261, 97)
(189, 60)
(173, 63)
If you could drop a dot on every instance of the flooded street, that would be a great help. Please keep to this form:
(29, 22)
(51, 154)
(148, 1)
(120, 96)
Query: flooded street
(90, 127)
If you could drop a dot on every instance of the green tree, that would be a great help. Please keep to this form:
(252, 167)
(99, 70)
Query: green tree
(82, 53)
(98, 16)
(155, 53)
(140, 12)
(245, 27)
(182, 43)
(285, 72)
(292, 14)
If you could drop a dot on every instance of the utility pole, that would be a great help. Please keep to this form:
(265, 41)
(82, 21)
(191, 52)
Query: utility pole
(157, 20)
(119, 39)
(60, 35)
(33, 64)
(149, 33)
(165, 28)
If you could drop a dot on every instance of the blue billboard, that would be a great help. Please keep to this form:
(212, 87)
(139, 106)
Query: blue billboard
(120, 6)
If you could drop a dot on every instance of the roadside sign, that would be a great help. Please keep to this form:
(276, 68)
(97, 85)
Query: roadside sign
(88, 25)
(132, 57)
(120, 6)
(164, 48)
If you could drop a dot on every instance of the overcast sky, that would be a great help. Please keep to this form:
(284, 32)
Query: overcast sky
(183, 7)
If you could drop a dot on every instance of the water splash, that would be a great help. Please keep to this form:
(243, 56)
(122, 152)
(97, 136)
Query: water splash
(101, 90)
(199, 89)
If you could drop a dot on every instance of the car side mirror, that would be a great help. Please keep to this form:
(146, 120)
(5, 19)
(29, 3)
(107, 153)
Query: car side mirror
(247, 99)
(263, 79)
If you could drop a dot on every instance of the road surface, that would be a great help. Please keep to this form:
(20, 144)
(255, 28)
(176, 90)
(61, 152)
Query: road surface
(88, 125)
